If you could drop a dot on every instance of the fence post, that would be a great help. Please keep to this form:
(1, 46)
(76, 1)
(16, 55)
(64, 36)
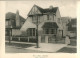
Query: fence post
(28, 39)
(11, 38)
(19, 38)
(46, 39)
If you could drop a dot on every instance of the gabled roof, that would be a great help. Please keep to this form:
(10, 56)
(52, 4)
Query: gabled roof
(11, 15)
(46, 10)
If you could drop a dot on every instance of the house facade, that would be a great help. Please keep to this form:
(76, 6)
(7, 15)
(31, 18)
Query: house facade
(13, 24)
(72, 28)
(48, 22)
(65, 21)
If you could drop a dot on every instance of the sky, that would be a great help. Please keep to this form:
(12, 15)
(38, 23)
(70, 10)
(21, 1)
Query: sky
(67, 8)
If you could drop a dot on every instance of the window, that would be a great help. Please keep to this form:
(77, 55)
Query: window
(9, 23)
(46, 31)
(31, 32)
(50, 17)
(7, 32)
(59, 20)
(47, 17)
(52, 31)
(6, 23)
(13, 22)
(49, 31)
(34, 19)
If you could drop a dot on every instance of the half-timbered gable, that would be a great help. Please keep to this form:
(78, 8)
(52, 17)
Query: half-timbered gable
(34, 11)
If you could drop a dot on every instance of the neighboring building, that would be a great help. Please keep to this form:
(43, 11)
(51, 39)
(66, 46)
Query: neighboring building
(72, 27)
(13, 24)
(49, 24)
(65, 21)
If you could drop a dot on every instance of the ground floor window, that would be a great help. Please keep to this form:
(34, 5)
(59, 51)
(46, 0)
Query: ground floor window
(52, 31)
(31, 32)
(7, 32)
(46, 31)
(49, 31)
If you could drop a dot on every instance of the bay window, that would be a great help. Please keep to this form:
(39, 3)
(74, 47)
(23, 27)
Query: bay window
(49, 31)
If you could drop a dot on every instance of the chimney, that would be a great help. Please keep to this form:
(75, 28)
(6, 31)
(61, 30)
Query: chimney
(17, 19)
(51, 7)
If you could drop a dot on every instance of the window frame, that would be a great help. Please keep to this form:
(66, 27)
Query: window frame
(32, 32)
(49, 31)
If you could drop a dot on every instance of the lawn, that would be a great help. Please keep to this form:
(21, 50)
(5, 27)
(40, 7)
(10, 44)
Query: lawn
(67, 50)
(73, 42)
(22, 45)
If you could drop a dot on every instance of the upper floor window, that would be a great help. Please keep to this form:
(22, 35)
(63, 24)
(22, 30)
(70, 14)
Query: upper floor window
(36, 19)
(59, 21)
(47, 17)
(13, 22)
(8, 23)
(50, 17)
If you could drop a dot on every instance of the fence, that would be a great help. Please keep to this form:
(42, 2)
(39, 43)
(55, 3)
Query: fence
(21, 39)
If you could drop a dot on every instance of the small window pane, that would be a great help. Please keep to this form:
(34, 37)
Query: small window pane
(30, 32)
(46, 31)
(52, 31)
(33, 31)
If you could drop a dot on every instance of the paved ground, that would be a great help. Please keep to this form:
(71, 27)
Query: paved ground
(47, 47)
(25, 47)
(20, 50)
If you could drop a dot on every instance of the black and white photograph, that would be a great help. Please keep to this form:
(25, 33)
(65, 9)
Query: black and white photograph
(41, 26)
